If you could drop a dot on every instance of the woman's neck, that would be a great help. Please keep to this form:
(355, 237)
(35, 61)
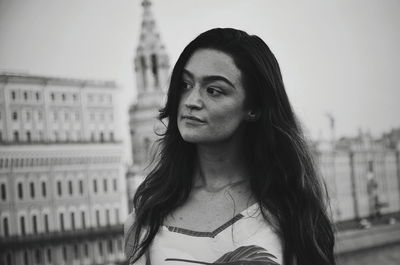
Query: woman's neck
(219, 165)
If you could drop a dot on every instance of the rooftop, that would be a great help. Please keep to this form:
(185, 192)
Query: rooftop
(23, 78)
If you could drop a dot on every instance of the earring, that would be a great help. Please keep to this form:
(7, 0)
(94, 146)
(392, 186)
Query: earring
(252, 116)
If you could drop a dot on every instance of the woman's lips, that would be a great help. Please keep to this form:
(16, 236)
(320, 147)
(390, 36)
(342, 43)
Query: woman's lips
(192, 118)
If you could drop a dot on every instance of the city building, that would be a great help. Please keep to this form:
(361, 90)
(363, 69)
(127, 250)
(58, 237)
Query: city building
(151, 68)
(62, 181)
(362, 176)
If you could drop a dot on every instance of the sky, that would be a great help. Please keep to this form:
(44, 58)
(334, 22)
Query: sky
(339, 57)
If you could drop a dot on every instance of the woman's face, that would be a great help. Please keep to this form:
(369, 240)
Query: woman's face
(211, 107)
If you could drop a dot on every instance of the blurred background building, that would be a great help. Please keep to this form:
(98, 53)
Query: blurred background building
(362, 176)
(62, 182)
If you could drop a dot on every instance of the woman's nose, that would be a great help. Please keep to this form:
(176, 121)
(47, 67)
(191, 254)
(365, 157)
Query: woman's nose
(193, 99)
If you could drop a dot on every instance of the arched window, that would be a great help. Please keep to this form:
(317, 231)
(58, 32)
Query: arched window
(64, 251)
(105, 185)
(100, 248)
(110, 246)
(38, 256)
(5, 227)
(20, 191)
(26, 260)
(117, 215)
(28, 136)
(154, 69)
(76, 252)
(86, 250)
(3, 192)
(102, 137)
(49, 255)
(119, 244)
(107, 217)
(32, 187)
(25, 95)
(62, 227)
(72, 220)
(83, 219)
(115, 184)
(143, 69)
(16, 136)
(9, 259)
(46, 223)
(81, 186)
(34, 224)
(44, 191)
(22, 225)
(70, 187)
(95, 186)
(98, 218)
(59, 188)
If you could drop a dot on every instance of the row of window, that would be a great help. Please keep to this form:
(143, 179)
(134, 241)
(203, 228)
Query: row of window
(28, 136)
(101, 116)
(70, 188)
(29, 115)
(105, 185)
(74, 251)
(26, 95)
(77, 220)
(59, 96)
(92, 97)
(55, 161)
(60, 136)
(37, 96)
(62, 115)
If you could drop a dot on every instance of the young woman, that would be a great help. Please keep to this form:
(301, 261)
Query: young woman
(235, 181)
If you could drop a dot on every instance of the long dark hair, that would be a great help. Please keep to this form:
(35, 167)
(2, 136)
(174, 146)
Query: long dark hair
(283, 179)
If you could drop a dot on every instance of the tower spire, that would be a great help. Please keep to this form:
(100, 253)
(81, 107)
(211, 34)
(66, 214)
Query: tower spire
(151, 64)
(151, 61)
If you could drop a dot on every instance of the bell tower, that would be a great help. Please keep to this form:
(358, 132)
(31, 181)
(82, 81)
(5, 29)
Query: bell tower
(151, 68)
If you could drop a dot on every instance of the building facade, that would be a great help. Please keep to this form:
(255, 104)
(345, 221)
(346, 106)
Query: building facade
(62, 181)
(151, 69)
(362, 176)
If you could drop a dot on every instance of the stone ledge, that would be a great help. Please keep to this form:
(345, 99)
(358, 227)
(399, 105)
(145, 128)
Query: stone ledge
(355, 240)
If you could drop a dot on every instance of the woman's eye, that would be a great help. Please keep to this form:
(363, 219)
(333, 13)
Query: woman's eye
(186, 85)
(213, 91)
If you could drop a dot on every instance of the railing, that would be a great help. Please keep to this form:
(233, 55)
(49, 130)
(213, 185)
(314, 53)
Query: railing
(29, 240)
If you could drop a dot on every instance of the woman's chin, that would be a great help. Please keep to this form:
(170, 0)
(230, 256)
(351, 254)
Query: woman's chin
(194, 139)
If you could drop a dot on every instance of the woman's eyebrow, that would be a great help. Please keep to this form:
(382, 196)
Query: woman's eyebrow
(210, 78)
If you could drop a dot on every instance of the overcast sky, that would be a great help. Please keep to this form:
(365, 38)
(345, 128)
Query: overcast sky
(340, 57)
